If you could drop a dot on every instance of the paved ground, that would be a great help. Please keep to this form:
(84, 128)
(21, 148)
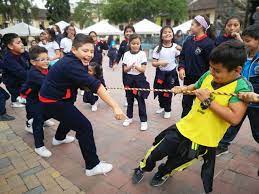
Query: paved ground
(21, 170)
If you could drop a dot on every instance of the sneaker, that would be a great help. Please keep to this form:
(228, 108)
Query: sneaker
(143, 126)
(127, 122)
(157, 180)
(126, 104)
(6, 117)
(167, 115)
(160, 110)
(43, 152)
(28, 126)
(17, 105)
(101, 168)
(68, 139)
(135, 102)
(49, 123)
(94, 107)
(221, 150)
(138, 175)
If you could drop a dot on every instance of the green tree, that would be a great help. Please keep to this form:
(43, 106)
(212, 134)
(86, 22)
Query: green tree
(127, 10)
(18, 9)
(58, 10)
(84, 12)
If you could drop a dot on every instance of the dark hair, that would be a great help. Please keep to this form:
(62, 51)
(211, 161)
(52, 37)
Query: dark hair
(92, 32)
(129, 27)
(66, 28)
(81, 39)
(161, 40)
(57, 27)
(8, 39)
(98, 70)
(36, 51)
(210, 31)
(233, 17)
(51, 33)
(230, 54)
(132, 37)
(252, 31)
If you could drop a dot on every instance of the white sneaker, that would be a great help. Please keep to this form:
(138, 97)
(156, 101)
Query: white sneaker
(143, 126)
(43, 152)
(167, 115)
(82, 92)
(94, 107)
(28, 126)
(30, 121)
(135, 102)
(49, 123)
(127, 122)
(68, 139)
(126, 104)
(160, 110)
(101, 168)
(17, 105)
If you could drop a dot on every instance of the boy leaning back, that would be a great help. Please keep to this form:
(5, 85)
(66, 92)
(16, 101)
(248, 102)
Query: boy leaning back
(188, 139)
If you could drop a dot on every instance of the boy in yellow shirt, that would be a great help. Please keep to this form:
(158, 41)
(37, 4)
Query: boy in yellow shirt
(199, 132)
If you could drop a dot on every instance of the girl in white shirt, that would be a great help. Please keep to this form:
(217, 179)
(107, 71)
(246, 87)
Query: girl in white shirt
(52, 46)
(66, 42)
(164, 59)
(134, 66)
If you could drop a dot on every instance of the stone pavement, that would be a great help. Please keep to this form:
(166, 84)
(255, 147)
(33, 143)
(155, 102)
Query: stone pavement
(22, 171)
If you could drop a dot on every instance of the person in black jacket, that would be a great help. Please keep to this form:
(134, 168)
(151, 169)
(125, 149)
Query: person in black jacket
(194, 57)
(4, 96)
(57, 92)
(16, 64)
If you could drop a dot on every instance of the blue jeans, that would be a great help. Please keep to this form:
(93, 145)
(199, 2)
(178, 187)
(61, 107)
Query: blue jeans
(253, 116)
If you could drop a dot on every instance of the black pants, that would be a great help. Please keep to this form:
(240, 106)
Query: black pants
(4, 96)
(165, 102)
(14, 91)
(187, 100)
(89, 97)
(141, 107)
(71, 118)
(170, 143)
(253, 116)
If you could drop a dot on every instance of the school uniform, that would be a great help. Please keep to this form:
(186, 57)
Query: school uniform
(14, 72)
(194, 58)
(30, 90)
(56, 95)
(112, 54)
(166, 77)
(98, 51)
(135, 79)
(51, 47)
(188, 139)
(4, 96)
(223, 38)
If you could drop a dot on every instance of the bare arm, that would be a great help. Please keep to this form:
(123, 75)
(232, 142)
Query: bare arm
(141, 69)
(157, 63)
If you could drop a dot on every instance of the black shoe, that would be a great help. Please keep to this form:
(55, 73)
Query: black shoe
(221, 150)
(158, 180)
(6, 117)
(137, 176)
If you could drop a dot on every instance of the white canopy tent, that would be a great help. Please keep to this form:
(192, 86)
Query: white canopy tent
(147, 27)
(63, 24)
(102, 28)
(184, 27)
(22, 29)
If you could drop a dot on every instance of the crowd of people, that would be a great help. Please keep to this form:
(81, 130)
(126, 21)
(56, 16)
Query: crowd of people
(46, 80)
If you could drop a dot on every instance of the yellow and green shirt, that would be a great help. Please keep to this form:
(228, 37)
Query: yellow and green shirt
(205, 127)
